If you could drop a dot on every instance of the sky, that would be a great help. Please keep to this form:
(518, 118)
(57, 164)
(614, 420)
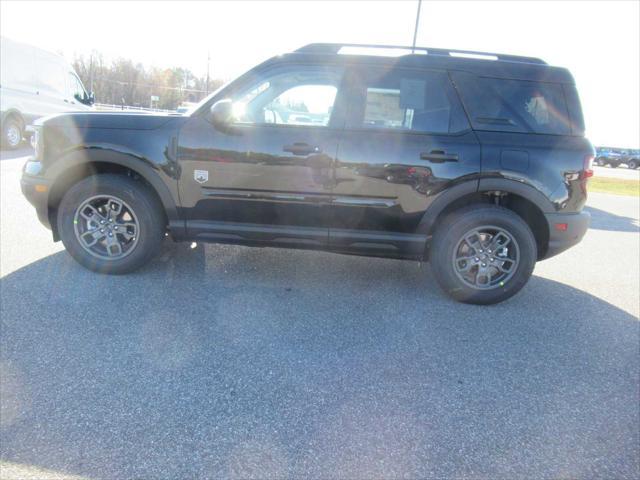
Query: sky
(599, 41)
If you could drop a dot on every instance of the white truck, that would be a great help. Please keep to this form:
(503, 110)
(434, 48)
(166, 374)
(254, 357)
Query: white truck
(35, 83)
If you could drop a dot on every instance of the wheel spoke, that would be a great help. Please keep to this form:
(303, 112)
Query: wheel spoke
(90, 213)
(92, 237)
(467, 266)
(114, 208)
(128, 230)
(501, 267)
(475, 244)
(495, 242)
(114, 249)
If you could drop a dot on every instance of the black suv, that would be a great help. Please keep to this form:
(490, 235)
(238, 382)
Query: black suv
(474, 161)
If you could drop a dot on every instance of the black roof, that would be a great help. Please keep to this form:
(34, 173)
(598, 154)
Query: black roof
(479, 63)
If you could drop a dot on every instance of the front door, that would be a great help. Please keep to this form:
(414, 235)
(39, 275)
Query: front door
(267, 176)
(406, 139)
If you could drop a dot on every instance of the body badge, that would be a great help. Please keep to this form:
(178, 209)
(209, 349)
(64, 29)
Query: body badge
(201, 176)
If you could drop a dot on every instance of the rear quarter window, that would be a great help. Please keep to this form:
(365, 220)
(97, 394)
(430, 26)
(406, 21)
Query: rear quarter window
(515, 105)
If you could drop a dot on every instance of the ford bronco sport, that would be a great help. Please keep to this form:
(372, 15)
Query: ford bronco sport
(476, 162)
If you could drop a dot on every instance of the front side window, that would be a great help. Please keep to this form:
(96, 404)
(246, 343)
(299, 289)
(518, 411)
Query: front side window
(76, 88)
(297, 96)
(408, 100)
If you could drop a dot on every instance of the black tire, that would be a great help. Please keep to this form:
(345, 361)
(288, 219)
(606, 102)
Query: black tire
(599, 162)
(451, 231)
(633, 164)
(141, 200)
(12, 133)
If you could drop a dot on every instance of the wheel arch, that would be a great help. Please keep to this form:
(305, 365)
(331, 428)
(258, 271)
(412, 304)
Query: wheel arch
(79, 164)
(14, 113)
(526, 201)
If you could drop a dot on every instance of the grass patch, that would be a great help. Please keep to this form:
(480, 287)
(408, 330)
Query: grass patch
(617, 186)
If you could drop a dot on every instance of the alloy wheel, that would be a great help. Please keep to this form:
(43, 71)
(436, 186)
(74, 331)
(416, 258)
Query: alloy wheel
(486, 257)
(106, 227)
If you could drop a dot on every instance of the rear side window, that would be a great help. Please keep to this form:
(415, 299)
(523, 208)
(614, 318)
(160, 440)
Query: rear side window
(515, 105)
(404, 100)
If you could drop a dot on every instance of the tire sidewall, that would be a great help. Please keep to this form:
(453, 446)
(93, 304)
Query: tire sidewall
(5, 129)
(136, 195)
(448, 237)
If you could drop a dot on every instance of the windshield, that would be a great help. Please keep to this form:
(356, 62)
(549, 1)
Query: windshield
(206, 99)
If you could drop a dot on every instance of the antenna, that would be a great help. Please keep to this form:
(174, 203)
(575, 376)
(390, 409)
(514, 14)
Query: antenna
(415, 31)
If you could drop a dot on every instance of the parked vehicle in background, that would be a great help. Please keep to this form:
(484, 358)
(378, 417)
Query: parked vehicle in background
(607, 156)
(632, 158)
(35, 83)
(476, 162)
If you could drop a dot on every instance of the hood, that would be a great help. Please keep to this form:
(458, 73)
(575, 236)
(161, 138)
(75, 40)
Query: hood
(107, 120)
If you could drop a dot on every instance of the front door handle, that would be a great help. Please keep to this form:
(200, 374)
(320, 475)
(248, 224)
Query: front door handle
(439, 156)
(301, 149)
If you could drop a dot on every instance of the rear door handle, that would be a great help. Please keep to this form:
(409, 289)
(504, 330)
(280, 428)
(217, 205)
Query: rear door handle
(439, 156)
(301, 149)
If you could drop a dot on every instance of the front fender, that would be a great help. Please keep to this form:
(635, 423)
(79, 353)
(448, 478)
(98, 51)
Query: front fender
(164, 184)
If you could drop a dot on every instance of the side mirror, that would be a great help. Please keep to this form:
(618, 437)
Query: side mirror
(92, 98)
(221, 113)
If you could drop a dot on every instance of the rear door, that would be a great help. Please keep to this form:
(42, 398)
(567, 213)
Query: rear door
(406, 139)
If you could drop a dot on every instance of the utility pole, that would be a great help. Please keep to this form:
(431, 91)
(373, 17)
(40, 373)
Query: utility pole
(415, 31)
(208, 58)
(91, 73)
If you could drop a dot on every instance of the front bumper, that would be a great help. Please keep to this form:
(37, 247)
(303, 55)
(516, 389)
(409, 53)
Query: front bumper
(561, 238)
(36, 190)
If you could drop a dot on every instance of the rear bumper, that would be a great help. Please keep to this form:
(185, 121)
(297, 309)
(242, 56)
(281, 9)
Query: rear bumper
(561, 239)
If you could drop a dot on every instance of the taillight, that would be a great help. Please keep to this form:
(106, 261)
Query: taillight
(587, 167)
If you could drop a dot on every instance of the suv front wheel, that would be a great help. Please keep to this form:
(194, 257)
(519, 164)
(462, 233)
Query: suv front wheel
(111, 223)
(483, 254)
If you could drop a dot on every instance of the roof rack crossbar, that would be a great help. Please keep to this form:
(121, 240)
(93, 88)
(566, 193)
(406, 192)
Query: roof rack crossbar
(334, 48)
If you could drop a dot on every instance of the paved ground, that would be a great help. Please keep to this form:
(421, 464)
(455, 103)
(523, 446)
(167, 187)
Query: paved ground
(619, 172)
(224, 361)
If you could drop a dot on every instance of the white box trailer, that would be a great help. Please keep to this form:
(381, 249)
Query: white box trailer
(35, 83)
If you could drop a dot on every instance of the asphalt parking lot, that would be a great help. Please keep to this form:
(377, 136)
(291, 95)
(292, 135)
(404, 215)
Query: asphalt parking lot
(223, 361)
(621, 172)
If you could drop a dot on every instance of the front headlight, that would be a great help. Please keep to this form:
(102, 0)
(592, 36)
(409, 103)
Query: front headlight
(36, 140)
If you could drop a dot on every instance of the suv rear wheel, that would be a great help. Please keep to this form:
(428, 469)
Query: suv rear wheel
(111, 223)
(483, 254)
(633, 164)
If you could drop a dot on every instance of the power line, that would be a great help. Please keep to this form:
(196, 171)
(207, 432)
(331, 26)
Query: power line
(119, 82)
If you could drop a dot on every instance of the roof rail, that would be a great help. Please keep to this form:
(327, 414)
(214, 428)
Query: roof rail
(334, 48)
